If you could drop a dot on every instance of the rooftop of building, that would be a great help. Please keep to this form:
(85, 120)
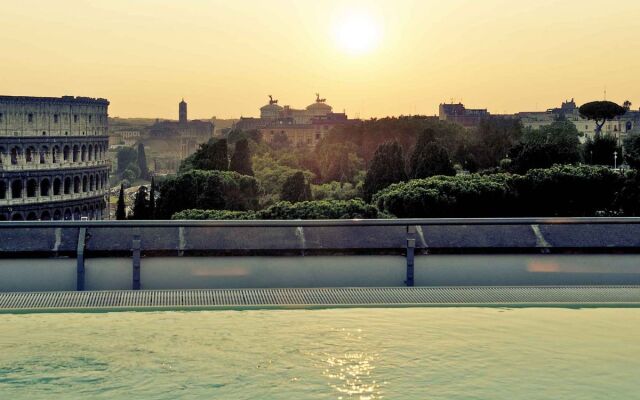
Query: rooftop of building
(61, 100)
(454, 108)
(318, 104)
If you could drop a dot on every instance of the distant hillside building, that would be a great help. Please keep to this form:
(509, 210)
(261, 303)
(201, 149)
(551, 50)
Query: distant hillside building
(124, 138)
(301, 127)
(459, 114)
(629, 123)
(183, 135)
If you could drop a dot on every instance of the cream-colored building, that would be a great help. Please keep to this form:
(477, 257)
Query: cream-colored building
(298, 135)
(619, 127)
(317, 109)
(301, 127)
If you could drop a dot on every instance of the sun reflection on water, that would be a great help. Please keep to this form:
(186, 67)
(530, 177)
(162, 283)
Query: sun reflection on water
(351, 373)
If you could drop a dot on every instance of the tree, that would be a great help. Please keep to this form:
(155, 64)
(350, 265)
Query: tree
(211, 156)
(558, 143)
(493, 139)
(429, 158)
(280, 141)
(566, 191)
(574, 190)
(334, 191)
(387, 167)
(272, 174)
(236, 135)
(206, 190)
(601, 112)
(142, 162)
(152, 200)
(130, 175)
(632, 151)
(296, 188)
(448, 197)
(599, 151)
(338, 161)
(241, 159)
(210, 194)
(629, 198)
(140, 204)
(125, 156)
(121, 214)
(325, 209)
(532, 155)
(220, 156)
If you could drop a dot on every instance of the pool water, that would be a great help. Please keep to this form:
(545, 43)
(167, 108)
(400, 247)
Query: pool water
(413, 353)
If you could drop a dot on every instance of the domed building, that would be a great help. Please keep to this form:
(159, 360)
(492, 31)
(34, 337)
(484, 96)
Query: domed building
(297, 127)
(319, 108)
(272, 110)
(53, 158)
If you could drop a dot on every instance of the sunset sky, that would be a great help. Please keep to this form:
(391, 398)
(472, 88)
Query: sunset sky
(372, 58)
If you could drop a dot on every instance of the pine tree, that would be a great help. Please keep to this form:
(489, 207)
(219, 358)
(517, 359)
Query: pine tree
(387, 167)
(296, 188)
(599, 151)
(430, 159)
(142, 162)
(121, 214)
(152, 200)
(241, 159)
(140, 204)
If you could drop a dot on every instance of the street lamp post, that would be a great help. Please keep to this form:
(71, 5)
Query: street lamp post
(615, 160)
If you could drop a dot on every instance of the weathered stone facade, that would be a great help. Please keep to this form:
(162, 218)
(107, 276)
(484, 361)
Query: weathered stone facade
(53, 158)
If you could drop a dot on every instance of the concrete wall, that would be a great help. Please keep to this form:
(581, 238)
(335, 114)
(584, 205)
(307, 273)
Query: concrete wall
(261, 254)
(115, 273)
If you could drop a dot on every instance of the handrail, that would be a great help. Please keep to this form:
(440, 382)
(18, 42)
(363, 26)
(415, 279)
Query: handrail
(325, 223)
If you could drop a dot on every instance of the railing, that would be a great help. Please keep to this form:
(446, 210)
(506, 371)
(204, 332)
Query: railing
(536, 249)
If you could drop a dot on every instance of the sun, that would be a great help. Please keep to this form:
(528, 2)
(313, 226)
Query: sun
(357, 33)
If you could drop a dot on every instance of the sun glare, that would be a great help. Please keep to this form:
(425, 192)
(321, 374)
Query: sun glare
(357, 33)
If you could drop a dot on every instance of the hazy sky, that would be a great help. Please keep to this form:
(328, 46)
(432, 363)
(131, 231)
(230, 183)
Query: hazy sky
(372, 58)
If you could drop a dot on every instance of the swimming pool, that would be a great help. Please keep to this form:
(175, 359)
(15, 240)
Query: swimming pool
(414, 353)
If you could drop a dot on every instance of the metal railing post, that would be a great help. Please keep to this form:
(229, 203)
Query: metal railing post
(82, 235)
(136, 262)
(411, 247)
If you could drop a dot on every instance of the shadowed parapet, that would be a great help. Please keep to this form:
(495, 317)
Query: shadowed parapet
(51, 256)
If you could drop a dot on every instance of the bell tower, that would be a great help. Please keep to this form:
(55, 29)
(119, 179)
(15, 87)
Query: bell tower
(182, 112)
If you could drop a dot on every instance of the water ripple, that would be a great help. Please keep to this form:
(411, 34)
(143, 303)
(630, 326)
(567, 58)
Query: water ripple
(340, 354)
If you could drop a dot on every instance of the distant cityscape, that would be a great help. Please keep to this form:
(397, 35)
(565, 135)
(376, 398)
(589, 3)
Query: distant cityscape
(629, 123)
(56, 153)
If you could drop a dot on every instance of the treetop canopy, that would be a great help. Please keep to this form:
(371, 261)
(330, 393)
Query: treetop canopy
(601, 110)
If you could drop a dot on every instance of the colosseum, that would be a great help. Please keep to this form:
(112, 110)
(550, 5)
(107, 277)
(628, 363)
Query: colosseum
(53, 158)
